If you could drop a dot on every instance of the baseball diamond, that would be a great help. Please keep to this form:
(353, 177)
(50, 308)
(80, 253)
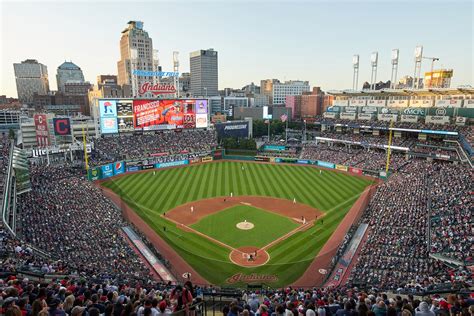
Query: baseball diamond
(195, 210)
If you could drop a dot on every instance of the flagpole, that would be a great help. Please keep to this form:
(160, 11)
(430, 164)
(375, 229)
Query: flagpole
(268, 130)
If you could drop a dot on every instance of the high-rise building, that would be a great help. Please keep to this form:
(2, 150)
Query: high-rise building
(68, 72)
(308, 104)
(266, 88)
(292, 87)
(31, 77)
(204, 73)
(136, 53)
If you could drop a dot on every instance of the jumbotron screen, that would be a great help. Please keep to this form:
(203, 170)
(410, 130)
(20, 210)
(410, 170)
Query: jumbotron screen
(161, 114)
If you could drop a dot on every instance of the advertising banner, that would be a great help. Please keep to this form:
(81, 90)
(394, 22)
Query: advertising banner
(201, 114)
(341, 167)
(146, 167)
(332, 115)
(62, 126)
(207, 159)
(107, 171)
(437, 119)
(274, 147)
(325, 164)
(357, 102)
(108, 116)
(461, 121)
(350, 109)
(305, 162)
(41, 127)
(93, 174)
(133, 168)
(171, 164)
(125, 116)
(355, 170)
(387, 117)
(448, 103)
(415, 111)
(409, 118)
(164, 114)
(365, 116)
(398, 103)
(119, 167)
(334, 109)
(369, 109)
(261, 158)
(348, 116)
(238, 129)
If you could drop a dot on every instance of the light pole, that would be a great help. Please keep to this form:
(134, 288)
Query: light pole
(304, 136)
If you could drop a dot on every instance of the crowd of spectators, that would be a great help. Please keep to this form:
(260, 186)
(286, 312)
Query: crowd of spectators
(4, 160)
(451, 212)
(166, 143)
(68, 217)
(396, 253)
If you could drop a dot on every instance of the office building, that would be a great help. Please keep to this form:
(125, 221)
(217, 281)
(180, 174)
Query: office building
(31, 77)
(231, 102)
(136, 53)
(266, 88)
(292, 87)
(204, 73)
(68, 72)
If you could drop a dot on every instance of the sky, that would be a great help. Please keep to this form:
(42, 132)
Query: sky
(255, 40)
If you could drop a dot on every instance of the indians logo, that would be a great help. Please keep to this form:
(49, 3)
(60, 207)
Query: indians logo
(95, 172)
(252, 278)
(159, 88)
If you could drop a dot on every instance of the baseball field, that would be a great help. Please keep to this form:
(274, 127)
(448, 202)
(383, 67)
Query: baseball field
(241, 222)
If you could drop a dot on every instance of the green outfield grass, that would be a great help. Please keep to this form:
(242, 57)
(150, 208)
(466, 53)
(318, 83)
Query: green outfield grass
(222, 226)
(332, 192)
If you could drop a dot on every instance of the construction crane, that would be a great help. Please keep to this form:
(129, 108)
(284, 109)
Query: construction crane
(433, 59)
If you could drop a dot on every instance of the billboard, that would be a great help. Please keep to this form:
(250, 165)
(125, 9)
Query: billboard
(107, 170)
(267, 115)
(108, 116)
(201, 109)
(169, 114)
(62, 126)
(125, 116)
(325, 164)
(93, 173)
(41, 127)
(119, 167)
(238, 129)
(171, 164)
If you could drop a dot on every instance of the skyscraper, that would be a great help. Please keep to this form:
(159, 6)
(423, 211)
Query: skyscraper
(292, 87)
(31, 77)
(135, 39)
(204, 73)
(68, 72)
(266, 88)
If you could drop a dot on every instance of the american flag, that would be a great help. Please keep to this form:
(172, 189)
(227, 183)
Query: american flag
(283, 118)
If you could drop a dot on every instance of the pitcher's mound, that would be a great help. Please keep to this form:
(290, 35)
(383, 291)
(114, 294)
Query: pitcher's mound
(245, 225)
(242, 258)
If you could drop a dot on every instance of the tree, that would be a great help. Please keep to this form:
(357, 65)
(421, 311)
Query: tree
(11, 133)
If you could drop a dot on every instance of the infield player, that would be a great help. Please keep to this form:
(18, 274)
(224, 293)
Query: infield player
(192, 209)
(294, 200)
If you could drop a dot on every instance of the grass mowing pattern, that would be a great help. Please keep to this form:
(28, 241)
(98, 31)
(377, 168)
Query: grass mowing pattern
(331, 192)
(268, 226)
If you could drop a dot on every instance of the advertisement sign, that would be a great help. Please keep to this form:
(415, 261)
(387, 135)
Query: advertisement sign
(348, 116)
(378, 103)
(108, 116)
(350, 109)
(133, 168)
(201, 114)
(332, 115)
(398, 103)
(461, 121)
(303, 161)
(93, 174)
(369, 109)
(409, 118)
(340, 102)
(422, 103)
(435, 119)
(171, 164)
(357, 102)
(387, 117)
(334, 109)
(119, 167)
(107, 171)
(237, 129)
(365, 116)
(266, 114)
(341, 167)
(325, 164)
(125, 115)
(355, 170)
(41, 127)
(207, 159)
(469, 103)
(62, 126)
(414, 111)
(164, 114)
(274, 147)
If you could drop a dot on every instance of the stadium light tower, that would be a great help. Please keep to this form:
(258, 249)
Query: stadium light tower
(418, 59)
(373, 62)
(176, 70)
(355, 75)
(393, 77)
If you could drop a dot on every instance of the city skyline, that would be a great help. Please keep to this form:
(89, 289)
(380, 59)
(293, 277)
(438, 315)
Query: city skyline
(310, 41)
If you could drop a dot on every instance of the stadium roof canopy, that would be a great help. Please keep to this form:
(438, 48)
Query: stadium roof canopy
(468, 90)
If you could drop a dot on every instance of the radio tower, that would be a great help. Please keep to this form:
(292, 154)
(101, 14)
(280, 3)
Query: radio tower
(176, 70)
